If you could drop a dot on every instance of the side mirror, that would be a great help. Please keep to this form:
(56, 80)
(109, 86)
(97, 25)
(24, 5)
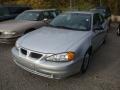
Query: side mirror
(45, 20)
(97, 28)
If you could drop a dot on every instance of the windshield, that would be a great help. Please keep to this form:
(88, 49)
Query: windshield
(29, 15)
(74, 21)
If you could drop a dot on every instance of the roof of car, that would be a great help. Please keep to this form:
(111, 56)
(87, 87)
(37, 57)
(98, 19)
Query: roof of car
(42, 10)
(83, 12)
(13, 6)
(101, 7)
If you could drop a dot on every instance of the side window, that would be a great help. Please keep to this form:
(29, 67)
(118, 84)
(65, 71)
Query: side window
(4, 12)
(96, 19)
(41, 16)
(49, 14)
(108, 12)
(13, 10)
(101, 19)
(58, 12)
(17, 10)
(46, 14)
(52, 14)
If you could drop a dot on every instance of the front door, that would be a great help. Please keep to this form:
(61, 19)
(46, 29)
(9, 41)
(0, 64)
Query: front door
(98, 35)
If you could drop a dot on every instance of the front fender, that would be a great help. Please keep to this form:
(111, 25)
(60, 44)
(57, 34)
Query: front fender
(81, 47)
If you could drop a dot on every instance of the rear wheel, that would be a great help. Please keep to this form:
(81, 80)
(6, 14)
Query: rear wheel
(86, 61)
(104, 41)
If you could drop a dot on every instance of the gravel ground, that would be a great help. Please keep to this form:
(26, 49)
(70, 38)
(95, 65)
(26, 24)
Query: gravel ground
(103, 73)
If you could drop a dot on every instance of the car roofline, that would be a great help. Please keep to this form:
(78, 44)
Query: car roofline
(82, 12)
(41, 10)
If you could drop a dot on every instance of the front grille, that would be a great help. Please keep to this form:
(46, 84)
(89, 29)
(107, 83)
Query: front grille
(24, 52)
(30, 54)
(35, 55)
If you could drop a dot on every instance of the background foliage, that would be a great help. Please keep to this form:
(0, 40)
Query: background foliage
(65, 4)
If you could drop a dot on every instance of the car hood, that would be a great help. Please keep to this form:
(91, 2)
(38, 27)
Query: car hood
(13, 25)
(51, 40)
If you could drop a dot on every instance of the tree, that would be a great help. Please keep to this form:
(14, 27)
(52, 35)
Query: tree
(65, 4)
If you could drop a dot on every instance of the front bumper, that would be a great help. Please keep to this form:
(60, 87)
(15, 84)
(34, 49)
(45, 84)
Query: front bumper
(47, 69)
(8, 40)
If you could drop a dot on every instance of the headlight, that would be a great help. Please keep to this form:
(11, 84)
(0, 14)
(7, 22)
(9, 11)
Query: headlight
(16, 45)
(9, 33)
(68, 56)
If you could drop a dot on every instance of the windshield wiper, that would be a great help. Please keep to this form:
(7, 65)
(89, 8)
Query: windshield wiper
(64, 27)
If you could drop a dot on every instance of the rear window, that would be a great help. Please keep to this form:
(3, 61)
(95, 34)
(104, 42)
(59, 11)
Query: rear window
(51, 14)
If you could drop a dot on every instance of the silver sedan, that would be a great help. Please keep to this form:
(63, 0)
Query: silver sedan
(63, 48)
(24, 23)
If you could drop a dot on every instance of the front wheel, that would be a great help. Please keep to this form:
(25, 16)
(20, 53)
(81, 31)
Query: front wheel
(85, 62)
(118, 31)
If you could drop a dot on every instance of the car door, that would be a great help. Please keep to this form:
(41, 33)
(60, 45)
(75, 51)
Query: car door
(98, 32)
(42, 21)
(104, 25)
(50, 15)
(46, 17)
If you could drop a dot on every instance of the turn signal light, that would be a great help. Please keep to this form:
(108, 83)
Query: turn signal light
(70, 56)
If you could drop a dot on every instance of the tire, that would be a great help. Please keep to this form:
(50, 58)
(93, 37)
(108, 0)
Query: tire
(104, 41)
(109, 24)
(118, 31)
(86, 61)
